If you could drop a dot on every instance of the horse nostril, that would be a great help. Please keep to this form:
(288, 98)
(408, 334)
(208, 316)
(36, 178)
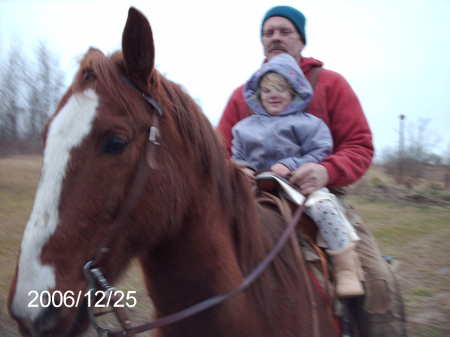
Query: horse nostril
(46, 320)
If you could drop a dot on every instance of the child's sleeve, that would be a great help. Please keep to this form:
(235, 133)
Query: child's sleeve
(238, 154)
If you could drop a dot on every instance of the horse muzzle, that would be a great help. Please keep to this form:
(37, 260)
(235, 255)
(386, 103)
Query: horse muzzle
(54, 322)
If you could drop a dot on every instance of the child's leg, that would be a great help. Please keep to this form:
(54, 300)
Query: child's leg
(334, 228)
(331, 224)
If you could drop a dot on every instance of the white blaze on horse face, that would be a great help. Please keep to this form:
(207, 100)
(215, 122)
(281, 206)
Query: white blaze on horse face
(68, 129)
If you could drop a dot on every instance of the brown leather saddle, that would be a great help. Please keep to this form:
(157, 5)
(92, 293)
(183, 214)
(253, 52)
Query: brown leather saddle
(283, 194)
(277, 192)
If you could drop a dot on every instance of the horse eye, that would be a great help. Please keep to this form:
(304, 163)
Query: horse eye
(114, 145)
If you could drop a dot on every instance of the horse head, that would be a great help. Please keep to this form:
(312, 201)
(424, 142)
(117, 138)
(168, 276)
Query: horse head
(97, 158)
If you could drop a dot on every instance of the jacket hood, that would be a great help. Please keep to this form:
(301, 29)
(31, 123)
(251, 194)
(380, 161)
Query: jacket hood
(286, 66)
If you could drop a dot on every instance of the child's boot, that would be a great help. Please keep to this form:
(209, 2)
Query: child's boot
(347, 272)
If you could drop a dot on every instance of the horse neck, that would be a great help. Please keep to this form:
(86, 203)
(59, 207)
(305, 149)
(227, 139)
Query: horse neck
(199, 263)
(218, 245)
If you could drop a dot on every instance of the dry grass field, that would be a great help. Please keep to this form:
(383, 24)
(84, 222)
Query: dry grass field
(418, 235)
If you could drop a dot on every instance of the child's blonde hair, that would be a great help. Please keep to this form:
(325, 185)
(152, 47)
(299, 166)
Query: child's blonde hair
(272, 79)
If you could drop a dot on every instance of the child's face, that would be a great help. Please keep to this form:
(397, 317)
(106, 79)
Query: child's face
(275, 96)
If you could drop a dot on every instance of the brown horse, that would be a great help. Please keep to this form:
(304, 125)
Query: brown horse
(194, 223)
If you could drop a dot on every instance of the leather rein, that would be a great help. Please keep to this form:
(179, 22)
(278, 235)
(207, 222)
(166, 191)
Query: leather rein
(96, 279)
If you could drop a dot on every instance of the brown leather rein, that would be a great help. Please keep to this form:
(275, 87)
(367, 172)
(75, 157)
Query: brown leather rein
(97, 281)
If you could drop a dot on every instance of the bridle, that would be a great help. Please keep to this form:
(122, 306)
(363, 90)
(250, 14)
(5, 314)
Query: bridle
(95, 277)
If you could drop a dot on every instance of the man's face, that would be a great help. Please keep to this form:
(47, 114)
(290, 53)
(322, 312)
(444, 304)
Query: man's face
(280, 36)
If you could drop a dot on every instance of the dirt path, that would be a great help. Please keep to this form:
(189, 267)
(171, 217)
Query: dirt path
(418, 236)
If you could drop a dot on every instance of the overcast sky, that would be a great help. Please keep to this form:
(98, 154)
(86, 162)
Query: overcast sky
(394, 53)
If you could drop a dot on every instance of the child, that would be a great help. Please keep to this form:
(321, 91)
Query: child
(281, 137)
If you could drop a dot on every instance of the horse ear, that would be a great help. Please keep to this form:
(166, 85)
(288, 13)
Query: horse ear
(138, 48)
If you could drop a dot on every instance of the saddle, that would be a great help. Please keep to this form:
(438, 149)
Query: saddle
(285, 197)
(278, 193)
(270, 182)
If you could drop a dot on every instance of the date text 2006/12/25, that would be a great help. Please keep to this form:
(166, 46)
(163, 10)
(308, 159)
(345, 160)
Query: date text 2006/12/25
(69, 299)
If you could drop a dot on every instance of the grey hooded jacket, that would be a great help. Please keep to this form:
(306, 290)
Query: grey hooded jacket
(291, 138)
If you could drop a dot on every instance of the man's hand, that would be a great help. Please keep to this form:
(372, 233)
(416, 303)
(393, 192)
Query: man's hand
(280, 169)
(310, 177)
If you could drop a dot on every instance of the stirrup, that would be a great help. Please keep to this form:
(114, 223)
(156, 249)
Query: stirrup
(271, 182)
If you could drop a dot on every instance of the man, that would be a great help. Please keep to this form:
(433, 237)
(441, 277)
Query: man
(334, 101)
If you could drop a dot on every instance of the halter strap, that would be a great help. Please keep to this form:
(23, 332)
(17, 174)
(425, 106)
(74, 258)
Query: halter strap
(152, 102)
(154, 133)
(137, 186)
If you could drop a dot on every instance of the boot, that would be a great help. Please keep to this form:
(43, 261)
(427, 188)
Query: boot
(346, 272)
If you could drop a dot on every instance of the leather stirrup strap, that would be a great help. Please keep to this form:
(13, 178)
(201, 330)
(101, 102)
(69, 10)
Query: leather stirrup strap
(286, 212)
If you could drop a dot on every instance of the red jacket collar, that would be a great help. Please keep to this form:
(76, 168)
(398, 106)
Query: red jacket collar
(306, 63)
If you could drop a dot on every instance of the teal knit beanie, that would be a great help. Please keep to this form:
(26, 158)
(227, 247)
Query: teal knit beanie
(295, 16)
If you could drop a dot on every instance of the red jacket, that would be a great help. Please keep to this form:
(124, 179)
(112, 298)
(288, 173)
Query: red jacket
(335, 102)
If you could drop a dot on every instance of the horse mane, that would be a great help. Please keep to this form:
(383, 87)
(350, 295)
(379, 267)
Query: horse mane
(184, 119)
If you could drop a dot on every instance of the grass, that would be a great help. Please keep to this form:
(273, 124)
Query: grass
(423, 292)
(18, 180)
(398, 223)
(432, 331)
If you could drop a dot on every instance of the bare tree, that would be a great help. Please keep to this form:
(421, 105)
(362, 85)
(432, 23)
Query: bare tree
(422, 140)
(418, 150)
(28, 94)
(44, 90)
(446, 158)
(11, 96)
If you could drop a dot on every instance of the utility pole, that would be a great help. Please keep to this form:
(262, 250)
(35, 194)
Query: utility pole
(401, 149)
